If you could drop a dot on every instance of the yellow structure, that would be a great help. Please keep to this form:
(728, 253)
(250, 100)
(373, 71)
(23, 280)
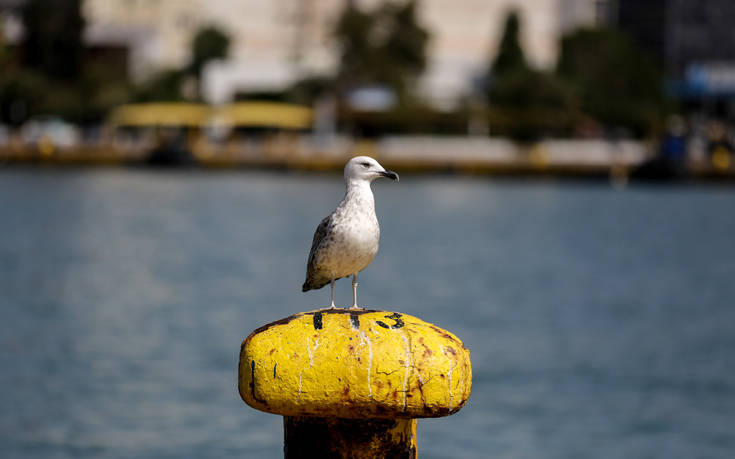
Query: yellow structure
(239, 114)
(338, 371)
(173, 114)
(265, 114)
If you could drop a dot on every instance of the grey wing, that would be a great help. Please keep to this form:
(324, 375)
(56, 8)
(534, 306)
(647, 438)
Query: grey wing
(312, 282)
(319, 234)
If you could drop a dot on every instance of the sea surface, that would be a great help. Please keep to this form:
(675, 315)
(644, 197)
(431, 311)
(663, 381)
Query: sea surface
(601, 321)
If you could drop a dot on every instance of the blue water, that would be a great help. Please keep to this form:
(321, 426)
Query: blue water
(601, 322)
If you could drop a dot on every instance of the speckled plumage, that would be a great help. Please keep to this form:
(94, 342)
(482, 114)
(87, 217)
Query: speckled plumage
(347, 240)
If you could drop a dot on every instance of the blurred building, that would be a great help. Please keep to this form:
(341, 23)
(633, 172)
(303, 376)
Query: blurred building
(276, 42)
(111, 46)
(693, 41)
(10, 27)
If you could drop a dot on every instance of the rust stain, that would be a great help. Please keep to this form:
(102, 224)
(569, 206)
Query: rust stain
(420, 387)
(442, 332)
(427, 351)
(412, 373)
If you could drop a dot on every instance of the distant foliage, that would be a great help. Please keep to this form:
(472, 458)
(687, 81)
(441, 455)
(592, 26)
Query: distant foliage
(357, 54)
(49, 73)
(209, 43)
(386, 46)
(510, 55)
(600, 76)
(166, 85)
(53, 37)
(171, 85)
(405, 45)
(615, 81)
(525, 103)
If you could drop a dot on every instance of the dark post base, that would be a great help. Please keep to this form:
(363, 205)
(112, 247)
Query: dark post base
(309, 437)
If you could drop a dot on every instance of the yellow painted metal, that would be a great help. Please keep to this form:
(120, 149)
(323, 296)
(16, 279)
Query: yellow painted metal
(239, 114)
(354, 364)
(161, 114)
(265, 114)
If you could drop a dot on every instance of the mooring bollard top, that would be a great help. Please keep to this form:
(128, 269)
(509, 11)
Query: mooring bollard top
(354, 363)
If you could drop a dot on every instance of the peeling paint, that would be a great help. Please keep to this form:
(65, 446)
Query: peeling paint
(308, 350)
(370, 362)
(407, 364)
(348, 372)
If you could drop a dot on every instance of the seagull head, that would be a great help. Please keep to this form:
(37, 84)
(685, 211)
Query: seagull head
(365, 168)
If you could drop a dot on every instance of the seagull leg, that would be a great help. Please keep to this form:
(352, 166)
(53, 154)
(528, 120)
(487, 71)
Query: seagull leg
(354, 292)
(332, 307)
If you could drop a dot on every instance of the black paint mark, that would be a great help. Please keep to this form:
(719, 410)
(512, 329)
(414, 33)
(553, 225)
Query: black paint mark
(395, 316)
(317, 321)
(252, 383)
(252, 377)
(288, 319)
(355, 319)
(274, 370)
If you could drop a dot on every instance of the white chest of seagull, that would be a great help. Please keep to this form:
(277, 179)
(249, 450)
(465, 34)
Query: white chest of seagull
(353, 235)
(347, 240)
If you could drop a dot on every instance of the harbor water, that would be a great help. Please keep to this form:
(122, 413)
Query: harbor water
(601, 321)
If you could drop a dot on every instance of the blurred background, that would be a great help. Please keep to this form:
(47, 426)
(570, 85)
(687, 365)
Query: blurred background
(585, 87)
(565, 208)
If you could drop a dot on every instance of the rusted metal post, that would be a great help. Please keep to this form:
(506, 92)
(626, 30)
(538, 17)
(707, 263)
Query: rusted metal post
(351, 383)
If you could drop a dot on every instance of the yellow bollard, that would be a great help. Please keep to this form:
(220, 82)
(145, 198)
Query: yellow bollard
(350, 383)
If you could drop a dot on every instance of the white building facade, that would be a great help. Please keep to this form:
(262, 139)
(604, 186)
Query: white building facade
(275, 42)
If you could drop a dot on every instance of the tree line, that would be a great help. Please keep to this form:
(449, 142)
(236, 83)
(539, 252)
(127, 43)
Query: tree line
(602, 83)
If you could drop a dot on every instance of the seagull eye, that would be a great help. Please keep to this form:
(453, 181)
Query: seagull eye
(365, 164)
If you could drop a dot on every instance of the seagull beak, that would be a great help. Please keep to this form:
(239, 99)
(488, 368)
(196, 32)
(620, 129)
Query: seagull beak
(389, 174)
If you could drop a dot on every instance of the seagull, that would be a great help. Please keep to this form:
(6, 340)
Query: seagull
(346, 241)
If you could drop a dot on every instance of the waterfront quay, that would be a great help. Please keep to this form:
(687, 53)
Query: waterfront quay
(425, 154)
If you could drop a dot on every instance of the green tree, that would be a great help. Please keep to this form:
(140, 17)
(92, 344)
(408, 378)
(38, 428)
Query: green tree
(208, 44)
(405, 46)
(616, 82)
(4, 54)
(510, 55)
(386, 46)
(525, 103)
(53, 37)
(525, 88)
(163, 86)
(21, 94)
(357, 54)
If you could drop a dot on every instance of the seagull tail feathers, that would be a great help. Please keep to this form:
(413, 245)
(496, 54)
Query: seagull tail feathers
(313, 283)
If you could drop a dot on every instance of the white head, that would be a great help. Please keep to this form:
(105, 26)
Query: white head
(365, 168)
